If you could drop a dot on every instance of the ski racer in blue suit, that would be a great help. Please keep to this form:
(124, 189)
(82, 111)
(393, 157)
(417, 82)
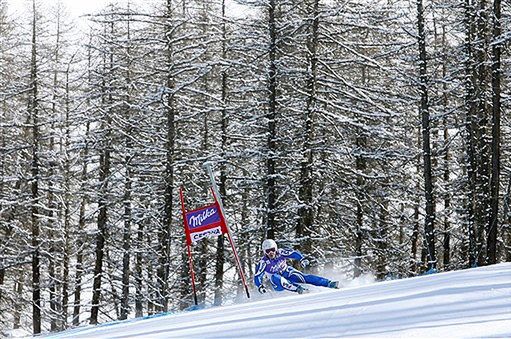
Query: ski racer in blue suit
(274, 266)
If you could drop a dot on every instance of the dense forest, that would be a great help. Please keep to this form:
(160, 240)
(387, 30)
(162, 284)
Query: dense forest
(369, 134)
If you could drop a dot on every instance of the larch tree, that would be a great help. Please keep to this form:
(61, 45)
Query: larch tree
(496, 80)
(429, 223)
(35, 168)
(105, 150)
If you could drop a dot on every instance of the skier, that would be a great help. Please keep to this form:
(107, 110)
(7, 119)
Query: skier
(283, 277)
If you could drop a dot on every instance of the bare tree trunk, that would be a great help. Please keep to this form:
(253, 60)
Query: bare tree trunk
(491, 246)
(414, 239)
(382, 242)
(126, 237)
(104, 173)
(164, 236)
(506, 230)
(246, 254)
(109, 275)
(151, 305)
(18, 290)
(470, 102)
(139, 279)
(429, 227)
(80, 242)
(53, 250)
(446, 243)
(2, 277)
(220, 256)
(204, 256)
(2, 174)
(33, 110)
(271, 157)
(52, 286)
(101, 233)
(306, 209)
(483, 165)
(185, 278)
(81, 218)
(67, 203)
(361, 165)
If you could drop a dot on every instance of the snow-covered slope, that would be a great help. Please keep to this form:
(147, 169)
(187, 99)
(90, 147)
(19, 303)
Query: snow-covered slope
(469, 303)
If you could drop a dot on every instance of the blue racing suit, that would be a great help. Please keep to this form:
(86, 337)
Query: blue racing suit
(282, 276)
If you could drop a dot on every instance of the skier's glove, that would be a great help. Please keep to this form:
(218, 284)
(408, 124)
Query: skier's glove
(304, 263)
(261, 289)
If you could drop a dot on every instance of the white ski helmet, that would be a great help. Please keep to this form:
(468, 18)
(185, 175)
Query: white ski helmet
(268, 244)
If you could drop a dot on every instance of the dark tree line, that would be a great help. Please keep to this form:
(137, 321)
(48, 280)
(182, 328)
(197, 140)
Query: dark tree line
(372, 138)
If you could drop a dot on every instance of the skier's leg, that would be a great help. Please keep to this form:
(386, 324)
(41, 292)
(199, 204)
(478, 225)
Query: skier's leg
(280, 283)
(296, 276)
(316, 280)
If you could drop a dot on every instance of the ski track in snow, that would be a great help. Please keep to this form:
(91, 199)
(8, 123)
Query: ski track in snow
(469, 303)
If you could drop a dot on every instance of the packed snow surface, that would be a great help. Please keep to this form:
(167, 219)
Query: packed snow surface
(469, 303)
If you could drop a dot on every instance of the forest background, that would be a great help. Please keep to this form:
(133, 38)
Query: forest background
(367, 134)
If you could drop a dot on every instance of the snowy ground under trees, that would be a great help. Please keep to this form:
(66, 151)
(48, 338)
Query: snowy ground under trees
(468, 303)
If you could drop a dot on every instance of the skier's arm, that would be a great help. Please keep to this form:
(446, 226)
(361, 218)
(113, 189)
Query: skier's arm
(296, 255)
(259, 275)
(291, 254)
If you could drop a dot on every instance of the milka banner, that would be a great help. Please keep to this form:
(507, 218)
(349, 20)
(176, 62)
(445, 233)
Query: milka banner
(207, 221)
(203, 222)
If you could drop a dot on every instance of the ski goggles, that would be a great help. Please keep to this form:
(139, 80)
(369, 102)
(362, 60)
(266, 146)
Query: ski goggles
(269, 250)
